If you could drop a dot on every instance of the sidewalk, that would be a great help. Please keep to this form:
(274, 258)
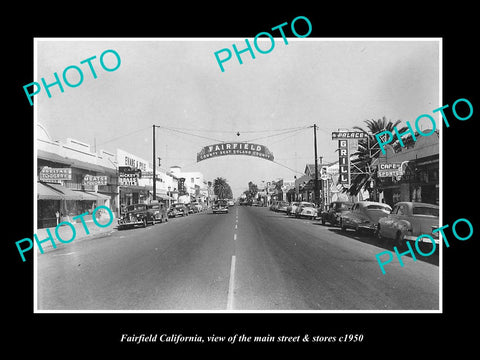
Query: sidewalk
(65, 232)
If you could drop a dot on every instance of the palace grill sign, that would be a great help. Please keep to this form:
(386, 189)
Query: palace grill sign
(234, 148)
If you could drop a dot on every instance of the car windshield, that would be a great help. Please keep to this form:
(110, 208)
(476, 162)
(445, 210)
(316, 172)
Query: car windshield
(135, 207)
(378, 207)
(342, 206)
(423, 210)
(220, 202)
(307, 204)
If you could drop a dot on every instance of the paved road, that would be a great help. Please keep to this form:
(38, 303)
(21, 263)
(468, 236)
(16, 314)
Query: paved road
(249, 259)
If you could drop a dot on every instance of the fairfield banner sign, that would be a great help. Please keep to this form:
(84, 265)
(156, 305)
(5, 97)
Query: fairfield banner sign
(234, 148)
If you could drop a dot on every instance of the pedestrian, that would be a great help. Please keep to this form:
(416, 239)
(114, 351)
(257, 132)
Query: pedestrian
(57, 215)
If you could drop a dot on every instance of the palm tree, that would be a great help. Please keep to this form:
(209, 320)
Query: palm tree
(368, 150)
(221, 188)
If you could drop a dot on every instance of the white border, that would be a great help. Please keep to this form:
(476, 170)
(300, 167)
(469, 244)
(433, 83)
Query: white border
(386, 39)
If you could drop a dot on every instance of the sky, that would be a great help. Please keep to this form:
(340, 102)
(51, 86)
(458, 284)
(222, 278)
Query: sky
(177, 84)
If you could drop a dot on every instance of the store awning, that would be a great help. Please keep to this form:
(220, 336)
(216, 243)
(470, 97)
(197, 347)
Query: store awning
(69, 194)
(98, 195)
(45, 192)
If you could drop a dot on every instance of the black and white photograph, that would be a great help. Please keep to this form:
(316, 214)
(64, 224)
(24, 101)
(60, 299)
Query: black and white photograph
(271, 191)
(225, 178)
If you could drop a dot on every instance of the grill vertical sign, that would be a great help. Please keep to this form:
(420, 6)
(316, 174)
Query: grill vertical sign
(343, 162)
(343, 138)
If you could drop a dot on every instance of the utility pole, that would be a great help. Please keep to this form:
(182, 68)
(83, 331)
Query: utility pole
(316, 164)
(154, 171)
(154, 165)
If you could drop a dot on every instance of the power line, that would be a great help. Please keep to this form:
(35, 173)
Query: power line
(121, 136)
(285, 132)
(230, 131)
(186, 133)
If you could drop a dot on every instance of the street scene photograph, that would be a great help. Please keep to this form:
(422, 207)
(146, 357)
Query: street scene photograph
(297, 180)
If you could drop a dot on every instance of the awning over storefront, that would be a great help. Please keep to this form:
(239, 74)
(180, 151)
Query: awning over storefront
(98, 195)
(69, 194)
(45, 192)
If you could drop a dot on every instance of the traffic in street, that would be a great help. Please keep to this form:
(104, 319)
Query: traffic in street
(247, 259)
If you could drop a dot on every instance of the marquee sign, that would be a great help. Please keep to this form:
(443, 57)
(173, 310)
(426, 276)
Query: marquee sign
(234, 148)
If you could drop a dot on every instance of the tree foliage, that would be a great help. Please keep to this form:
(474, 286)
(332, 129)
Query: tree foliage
(368, 151)
(252, 190)
(222, 189)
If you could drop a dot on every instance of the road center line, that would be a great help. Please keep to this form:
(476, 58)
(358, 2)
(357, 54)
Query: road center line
(231, 284)
(235, 226)
(234, 236)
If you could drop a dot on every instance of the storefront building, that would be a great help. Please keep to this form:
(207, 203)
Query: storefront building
(72, 180)
(419, 175)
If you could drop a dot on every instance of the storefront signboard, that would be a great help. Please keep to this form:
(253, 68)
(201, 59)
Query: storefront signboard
(56, 174)
(95, 180)
(389, 169)
(348, 135)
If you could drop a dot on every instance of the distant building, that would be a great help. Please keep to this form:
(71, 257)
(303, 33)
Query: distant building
(193, 182)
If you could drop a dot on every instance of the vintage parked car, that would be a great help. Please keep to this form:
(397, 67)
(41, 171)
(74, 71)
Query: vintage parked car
(282, 206)
(177, 209)
(408, 220)
(306, 209)
(292, 207)
(231, 202)
(197, 207)
(220, 206)
(134, 215)
(334, 212)
(158, 211)
(364, 215)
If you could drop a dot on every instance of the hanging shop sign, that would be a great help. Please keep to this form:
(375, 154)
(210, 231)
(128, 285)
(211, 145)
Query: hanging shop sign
(389, 169)
(343, 162)
(349, 135)
(95, 180)
(235, 148)
(128, 176)
(56, 174)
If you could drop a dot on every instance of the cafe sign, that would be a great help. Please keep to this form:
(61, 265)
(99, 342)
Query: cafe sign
(235, 148)
(389, 169)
